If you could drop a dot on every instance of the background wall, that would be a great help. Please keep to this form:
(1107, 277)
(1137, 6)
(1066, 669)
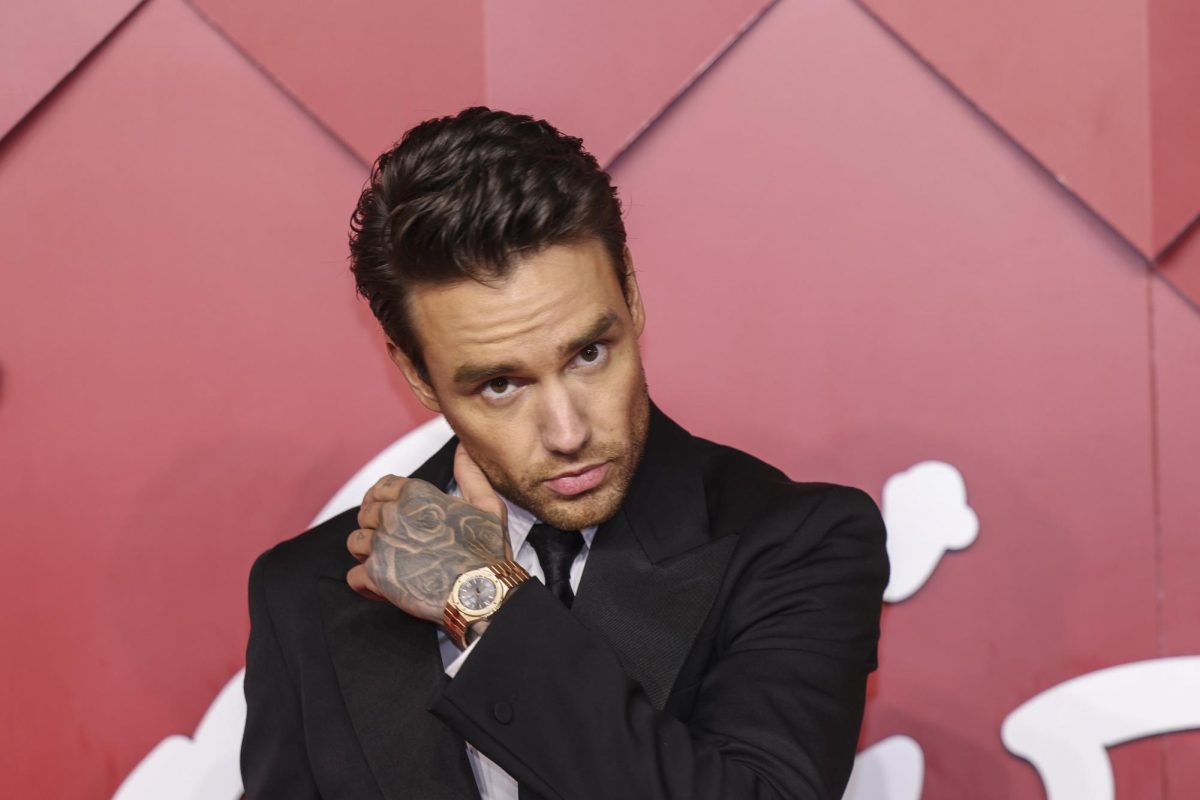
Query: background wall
(868, 236)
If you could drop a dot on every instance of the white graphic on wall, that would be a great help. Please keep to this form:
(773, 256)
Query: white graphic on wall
(926, 513)
(202, 767)
(891, 769)
(1065, 731)
(925, 508)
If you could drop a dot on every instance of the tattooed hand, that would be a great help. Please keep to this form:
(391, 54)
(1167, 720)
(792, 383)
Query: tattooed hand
(414, 540)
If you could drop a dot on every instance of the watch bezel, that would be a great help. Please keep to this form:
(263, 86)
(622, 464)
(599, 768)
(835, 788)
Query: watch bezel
(457, 618)
(491, 607)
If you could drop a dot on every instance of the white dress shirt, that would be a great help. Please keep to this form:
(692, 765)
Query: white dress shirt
(494, 783)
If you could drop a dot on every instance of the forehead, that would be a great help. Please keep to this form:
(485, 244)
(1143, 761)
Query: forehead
(547, 299)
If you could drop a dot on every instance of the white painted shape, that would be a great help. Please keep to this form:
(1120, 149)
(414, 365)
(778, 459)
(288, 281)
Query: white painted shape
(891, 769)
(1065, 731)
(926, 512)
(203, 767)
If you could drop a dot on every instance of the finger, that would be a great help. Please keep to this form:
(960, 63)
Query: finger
(475, 487)
(359, 544)
(361, 582)
(383, 490)
(386, 488)
(370, 515)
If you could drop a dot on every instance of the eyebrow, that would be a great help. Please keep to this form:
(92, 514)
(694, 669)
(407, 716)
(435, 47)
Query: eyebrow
(598, 329)
(470, 374)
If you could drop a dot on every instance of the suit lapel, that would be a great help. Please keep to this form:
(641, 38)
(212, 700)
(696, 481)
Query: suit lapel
(654, 569)
(389, 671)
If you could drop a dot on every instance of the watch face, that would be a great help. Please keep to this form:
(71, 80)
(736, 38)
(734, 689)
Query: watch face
(477, 593)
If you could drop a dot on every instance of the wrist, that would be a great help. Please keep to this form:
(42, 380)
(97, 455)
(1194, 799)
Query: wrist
(476, 596)
(475, 630)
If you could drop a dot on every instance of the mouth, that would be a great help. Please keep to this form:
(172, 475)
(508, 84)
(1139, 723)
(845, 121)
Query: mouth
(578, 481)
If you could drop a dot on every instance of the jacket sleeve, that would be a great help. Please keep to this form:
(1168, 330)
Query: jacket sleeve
(777, 713)
(274, 758)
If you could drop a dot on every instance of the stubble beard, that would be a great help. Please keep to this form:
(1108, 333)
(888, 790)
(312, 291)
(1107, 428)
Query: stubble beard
(593, 507)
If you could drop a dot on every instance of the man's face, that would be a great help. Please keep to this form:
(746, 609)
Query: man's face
(541, 378)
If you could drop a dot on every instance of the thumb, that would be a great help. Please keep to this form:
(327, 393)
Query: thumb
(475, 487)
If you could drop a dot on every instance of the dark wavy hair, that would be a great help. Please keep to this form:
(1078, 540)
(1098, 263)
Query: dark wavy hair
(465, 198)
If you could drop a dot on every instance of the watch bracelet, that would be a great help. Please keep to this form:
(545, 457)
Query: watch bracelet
(508, 572)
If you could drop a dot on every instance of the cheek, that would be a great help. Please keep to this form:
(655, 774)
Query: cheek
(628, 384)
(472, 431)
(612, 406)
(502, 446)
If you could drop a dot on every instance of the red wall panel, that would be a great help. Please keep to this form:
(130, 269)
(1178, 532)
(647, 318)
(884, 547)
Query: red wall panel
(847, 270)
(1177, 393)
(42, 41)
(870, 275)
(187, 376)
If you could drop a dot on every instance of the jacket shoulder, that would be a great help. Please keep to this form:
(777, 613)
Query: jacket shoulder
(742, 490)
(320, 550)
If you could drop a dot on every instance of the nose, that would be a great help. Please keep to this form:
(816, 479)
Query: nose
(564, 426)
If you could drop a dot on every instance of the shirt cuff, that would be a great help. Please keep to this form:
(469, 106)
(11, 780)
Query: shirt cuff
(454, 666)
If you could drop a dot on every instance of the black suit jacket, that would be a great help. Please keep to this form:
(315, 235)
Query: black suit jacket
(718, 647)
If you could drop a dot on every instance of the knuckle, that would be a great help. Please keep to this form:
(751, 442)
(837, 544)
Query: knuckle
(418, 488)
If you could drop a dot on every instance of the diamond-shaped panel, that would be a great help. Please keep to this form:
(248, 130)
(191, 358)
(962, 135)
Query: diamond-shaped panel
(42, 41)
(1174, 28)
(1102, 94)
(610, 68)
(1177, 374)
(367, 69)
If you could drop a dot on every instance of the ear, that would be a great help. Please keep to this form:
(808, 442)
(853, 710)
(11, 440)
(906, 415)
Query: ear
(633, 295)
(412, 376)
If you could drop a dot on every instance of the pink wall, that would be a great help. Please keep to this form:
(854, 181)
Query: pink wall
(848, 269)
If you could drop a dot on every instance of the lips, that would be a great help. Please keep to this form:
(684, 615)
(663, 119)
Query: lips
(573, 483)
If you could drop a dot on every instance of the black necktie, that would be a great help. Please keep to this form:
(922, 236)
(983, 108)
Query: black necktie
(556, 550)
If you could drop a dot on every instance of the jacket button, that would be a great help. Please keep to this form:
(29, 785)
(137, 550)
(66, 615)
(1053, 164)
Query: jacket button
(503, 712)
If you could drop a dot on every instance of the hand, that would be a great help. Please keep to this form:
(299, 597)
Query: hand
(413, 540)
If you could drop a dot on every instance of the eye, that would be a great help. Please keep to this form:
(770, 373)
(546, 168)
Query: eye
(497, 388)
(592, 355)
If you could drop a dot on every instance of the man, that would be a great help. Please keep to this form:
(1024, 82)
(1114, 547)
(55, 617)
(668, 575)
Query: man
(706, 626)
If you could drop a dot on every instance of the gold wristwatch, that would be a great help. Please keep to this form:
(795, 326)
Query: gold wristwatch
(477, 594)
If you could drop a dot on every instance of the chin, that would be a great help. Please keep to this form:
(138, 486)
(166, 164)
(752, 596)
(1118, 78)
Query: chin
(575, 514)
